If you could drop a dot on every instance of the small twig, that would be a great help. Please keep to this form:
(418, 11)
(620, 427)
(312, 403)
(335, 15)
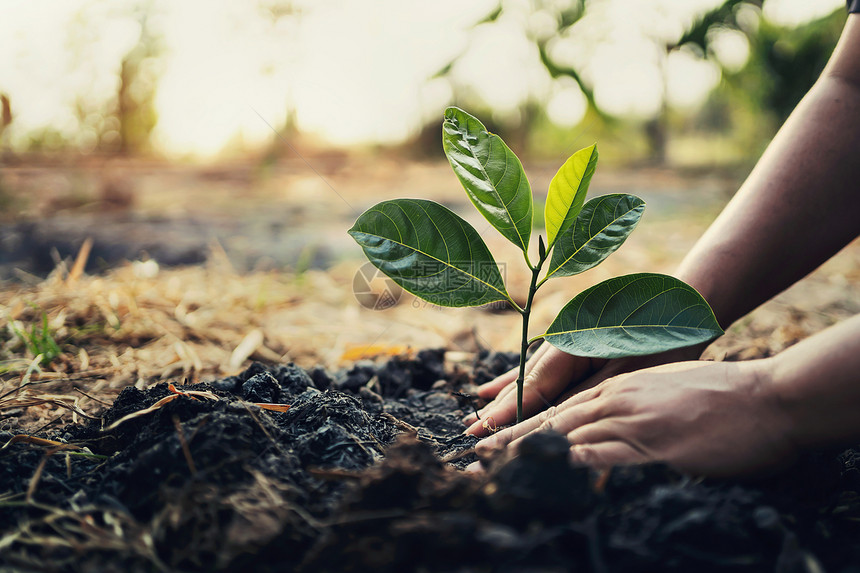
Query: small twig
(93, 398)
(469, 398)
(37, 475)
(44, 399)
(602, 480)
(400, 423)
(457, 455)
(334, 473)
(22, 386)
(257, 420)
(174, 394)
(27, 439)
(80, 261)
(48, 377)
(145, 411)
(57, 419)
(364, 516)
(33, 367)
(273, 407)
(490, 425)
(193, 393)
(186, 451)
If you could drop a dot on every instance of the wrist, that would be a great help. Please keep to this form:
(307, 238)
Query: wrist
(814, 385)
(779, 414)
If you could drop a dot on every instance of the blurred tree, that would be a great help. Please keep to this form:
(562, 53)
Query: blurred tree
(565, 17)
(135, 97)
(726, 15)
(783, 64)
(5, 121)
(122, 122)
(517, 128)
(551, 19)
(5, 112)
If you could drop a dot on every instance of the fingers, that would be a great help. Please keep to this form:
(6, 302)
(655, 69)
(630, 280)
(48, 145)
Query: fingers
(511, 387)
(595, 436)
(492, 388)
(474, 468)
(602, 430)
(604, 455)
(506, 435)
(561, 419)
(503, 410)
(575, 396)
(546, 380)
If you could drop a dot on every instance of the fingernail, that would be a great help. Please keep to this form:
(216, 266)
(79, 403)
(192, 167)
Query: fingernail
(475, 467)
(476, 429)
(575, 455)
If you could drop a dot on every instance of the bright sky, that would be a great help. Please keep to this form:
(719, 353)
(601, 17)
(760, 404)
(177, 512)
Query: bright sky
(353, 71)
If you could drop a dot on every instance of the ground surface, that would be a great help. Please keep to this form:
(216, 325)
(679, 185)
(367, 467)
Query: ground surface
(218, 482)
(359, 474)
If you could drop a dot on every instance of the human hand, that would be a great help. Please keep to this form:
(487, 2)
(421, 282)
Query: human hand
(551, 377)
(549, 372)
(710, 418)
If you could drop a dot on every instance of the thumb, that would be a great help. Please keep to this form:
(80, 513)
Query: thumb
(491, 389)
(549, 376)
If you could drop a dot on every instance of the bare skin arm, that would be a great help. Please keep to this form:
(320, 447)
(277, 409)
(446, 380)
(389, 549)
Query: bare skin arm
(715, 418)
(798, 207)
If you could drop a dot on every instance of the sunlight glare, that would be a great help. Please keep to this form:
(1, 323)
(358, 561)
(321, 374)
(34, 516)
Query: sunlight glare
(349, 72)
(795, 12)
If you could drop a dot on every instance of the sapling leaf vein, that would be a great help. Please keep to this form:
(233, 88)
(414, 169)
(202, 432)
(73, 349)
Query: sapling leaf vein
(443, 259)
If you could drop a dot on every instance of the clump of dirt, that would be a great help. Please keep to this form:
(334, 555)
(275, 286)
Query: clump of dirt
(360, 473)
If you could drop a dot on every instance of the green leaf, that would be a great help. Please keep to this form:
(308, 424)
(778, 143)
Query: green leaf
(430, 252)
(600, 228)
(567, 192)
(632, 315)
(491, 174)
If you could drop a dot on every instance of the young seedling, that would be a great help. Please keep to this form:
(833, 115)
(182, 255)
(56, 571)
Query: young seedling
(39, 341)
(437, 256)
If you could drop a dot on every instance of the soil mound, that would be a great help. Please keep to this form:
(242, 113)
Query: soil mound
(361, 472)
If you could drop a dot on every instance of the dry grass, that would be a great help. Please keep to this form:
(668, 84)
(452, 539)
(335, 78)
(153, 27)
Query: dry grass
(136, 325)
(139, 324)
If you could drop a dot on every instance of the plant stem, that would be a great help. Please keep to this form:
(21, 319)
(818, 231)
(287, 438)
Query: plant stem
(525, 340)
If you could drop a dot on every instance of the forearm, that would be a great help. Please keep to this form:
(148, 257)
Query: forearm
(799, 205)
(816, 384)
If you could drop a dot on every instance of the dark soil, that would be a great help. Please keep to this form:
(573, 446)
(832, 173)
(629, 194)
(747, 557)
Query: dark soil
(361, 473)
